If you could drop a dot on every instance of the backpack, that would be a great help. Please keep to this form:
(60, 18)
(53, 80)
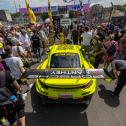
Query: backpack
(111, 51)
(5, 93)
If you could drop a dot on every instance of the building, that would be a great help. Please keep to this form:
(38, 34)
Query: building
(5, 16)
(118, 18)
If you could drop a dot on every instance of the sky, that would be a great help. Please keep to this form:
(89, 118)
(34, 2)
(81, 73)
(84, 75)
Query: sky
(9, 4)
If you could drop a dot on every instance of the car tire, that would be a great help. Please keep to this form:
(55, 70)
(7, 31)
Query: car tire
(43, 100)
(88, 100)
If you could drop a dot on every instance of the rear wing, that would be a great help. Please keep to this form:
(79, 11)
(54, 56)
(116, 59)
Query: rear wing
(67, 73)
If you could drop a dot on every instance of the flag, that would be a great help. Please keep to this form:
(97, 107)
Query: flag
(31, 14)
(86, 7)
(50, 14)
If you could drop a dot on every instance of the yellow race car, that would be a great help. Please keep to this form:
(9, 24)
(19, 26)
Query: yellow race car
(64, 89)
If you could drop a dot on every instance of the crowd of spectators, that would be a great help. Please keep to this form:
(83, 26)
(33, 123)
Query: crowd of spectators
(20, 44)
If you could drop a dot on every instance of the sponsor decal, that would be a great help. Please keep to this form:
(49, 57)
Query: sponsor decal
(91, 73)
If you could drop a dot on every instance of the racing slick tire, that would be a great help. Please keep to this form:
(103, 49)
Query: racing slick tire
(43, 99)
(87, 100)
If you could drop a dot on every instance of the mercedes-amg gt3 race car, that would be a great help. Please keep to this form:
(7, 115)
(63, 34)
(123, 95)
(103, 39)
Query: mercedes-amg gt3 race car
(65, 61)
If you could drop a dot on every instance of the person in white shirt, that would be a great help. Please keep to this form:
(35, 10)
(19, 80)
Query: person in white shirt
(18, 50)
(14, 63)
(86, 42)
(86, 38)
(44, 39)
(26, 43)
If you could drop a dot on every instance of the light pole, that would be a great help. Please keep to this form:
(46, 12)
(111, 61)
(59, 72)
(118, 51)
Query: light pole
(125, 17)
(15, 6)
(110, 16)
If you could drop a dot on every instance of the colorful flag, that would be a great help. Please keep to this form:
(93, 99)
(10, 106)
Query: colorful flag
(86, 7)
(31, 14)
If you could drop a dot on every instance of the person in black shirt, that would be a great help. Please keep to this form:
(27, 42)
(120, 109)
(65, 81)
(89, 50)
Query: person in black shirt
(36, 44)
(75, 36)
(117, 36)
(119, 65)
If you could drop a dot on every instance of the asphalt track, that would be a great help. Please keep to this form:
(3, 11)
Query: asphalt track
(104, 110)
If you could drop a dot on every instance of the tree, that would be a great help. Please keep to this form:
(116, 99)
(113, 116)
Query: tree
(72, 14)
(15, 14)
(44, 15)
(120, 7)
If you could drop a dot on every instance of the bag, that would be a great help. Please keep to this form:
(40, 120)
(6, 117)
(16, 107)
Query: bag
(111, 51)
(5, 95)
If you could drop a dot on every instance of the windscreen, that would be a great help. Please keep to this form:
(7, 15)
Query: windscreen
(65, 60)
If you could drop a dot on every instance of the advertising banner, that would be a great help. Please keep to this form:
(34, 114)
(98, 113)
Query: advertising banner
(38, 9)
(86, 8)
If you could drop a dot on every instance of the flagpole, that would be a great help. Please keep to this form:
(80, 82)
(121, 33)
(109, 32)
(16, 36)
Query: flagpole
(52, 34)
(15, 6)
(32, 17)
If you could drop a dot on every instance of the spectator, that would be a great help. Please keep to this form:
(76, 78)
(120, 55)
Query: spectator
(80, 33)
(30, 33)
(26, 43)
(75, 36)
(122, 48)
(36, 44)
(98, 51)
(43, 37)
(119, 65)
(9, 107)
(3, 63)
(8, 39)
(61, 35)
(17, 50)
(111, 48)
(14, 63)
(86, 39)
